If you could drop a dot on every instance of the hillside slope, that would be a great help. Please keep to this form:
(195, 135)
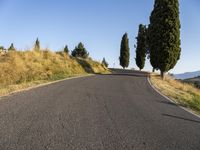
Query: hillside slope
(195, 81)
(182, 93)
(19, 70)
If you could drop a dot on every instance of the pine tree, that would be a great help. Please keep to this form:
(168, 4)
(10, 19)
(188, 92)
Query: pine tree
(37, 45)
(66, 50)
(80, 51)
(141, 49)
(124, 51)
(11, 48)
(164, 35)
(104, 62)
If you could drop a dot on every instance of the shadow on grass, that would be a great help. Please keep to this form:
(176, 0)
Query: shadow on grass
(85, 65)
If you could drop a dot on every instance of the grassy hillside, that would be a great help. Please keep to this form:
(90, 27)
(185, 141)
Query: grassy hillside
(19, 70)
(184, 94)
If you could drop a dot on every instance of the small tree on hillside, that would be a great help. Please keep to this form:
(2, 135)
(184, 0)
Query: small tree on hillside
(80, 51)
(37, 45)
(164, 35)
(11, 48)
(124, 51)
(2, 48)
(66, 50)
(141, 49)
(104, 62)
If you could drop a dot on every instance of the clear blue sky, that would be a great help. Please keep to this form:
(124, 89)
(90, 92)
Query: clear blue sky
(99, 24)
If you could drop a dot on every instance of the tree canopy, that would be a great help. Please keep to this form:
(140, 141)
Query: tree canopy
(11, 48)
(80, 51)
(104, 62)
(124, 51)
(37, 45)
(141, 49)
(164, 35)
(66, 50)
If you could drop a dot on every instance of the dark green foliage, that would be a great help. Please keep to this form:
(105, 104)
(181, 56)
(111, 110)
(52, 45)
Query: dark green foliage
(164, 35)
(11, 48)
(124, 51)
(66, 50)
(197, 84)
(2, 48)
(104, 62)
(195, 81)
(141, 49)
(37, 45)
(80, 51)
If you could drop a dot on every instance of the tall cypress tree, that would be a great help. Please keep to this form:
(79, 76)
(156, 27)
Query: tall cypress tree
(164, 35)
(141, 49)
(124, 51)
(37, 45)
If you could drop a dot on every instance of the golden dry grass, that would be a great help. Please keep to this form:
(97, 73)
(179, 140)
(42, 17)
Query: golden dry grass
(184, 94)
(22, 69)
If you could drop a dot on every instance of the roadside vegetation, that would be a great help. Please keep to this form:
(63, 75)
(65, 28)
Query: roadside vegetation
(22, 69)
(195, 81)
(182, 93)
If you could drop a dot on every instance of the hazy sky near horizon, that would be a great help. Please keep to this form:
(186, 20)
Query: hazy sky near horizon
(99, 24)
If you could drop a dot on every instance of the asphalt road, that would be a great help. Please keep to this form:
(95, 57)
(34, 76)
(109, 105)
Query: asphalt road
(103, 112)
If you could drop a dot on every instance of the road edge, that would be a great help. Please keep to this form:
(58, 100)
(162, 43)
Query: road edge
(169, 99)
(45, 84)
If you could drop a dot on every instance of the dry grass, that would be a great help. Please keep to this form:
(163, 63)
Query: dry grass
(184, 94)
(19, 70)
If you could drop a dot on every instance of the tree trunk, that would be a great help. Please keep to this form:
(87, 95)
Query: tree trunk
(153, 70)
(162, 74)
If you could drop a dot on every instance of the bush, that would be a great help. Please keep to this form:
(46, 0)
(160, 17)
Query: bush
(80, 51)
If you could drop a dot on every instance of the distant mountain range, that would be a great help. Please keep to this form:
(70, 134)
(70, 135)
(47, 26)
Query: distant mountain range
(187, 75)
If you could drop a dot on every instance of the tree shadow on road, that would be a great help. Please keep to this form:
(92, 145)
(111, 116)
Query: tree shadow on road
(125, 74)
(181, 118)
(168, 103)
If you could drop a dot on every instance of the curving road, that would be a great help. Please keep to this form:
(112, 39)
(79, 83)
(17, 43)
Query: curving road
(104, 112)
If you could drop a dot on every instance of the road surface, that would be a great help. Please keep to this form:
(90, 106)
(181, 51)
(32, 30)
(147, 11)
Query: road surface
(104, 112)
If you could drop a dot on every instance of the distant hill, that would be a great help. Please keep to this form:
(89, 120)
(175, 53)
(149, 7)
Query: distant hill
(195, 81)
(187, 75)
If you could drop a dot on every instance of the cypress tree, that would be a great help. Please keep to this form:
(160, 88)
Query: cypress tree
(37, 45)
(164, 35)
(66, 50)
(11, 48)
(141, 49)
(104, 62)
(124, 51)
(80, 51)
